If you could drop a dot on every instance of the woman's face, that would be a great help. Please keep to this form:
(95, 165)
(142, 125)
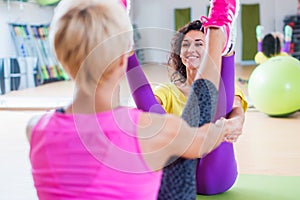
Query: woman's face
(192, 49)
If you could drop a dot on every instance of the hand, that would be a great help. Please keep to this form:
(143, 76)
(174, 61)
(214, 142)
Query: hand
(227, 130)
(237, 116)
(232, 129)
(220, 131)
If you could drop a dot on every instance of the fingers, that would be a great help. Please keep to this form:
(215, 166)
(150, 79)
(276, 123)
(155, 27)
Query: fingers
(231, 129)
(221, 122)
(231, 138)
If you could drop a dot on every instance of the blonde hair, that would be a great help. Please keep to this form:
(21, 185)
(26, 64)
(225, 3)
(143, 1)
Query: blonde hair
(89, 36)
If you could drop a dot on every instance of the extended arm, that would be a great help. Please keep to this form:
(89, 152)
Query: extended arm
(167, 136)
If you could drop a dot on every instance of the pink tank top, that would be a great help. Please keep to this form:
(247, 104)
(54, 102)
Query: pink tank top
(91, 157)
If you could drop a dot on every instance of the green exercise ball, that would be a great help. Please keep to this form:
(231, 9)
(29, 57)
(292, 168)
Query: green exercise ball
(274, 86)
(47, 2)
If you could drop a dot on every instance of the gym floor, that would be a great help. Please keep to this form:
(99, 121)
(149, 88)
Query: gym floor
(268, 146)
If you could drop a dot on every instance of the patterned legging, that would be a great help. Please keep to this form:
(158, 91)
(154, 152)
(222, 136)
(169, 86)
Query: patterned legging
(179, 181)
(179, 178)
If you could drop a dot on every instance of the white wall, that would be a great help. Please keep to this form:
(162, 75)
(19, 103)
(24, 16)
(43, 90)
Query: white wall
(159, 14)
(158, 17)
(27, 13)
(272, 14)
(154, 17)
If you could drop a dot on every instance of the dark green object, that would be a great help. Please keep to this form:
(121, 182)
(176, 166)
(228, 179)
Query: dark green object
(17, 0)
(182, 17)
(250, 19)
(47, 2)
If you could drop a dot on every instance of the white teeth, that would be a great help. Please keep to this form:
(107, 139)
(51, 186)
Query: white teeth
(191, 57)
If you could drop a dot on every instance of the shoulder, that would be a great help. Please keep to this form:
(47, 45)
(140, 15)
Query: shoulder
(238, 92)
(167, 89)
(162, 93)
(283, 54)
(163, 87)
(260, 57)
(31, 124)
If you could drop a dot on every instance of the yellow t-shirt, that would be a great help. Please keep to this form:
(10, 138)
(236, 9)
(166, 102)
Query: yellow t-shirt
(173, 100)
(238, 92)
(261, 58)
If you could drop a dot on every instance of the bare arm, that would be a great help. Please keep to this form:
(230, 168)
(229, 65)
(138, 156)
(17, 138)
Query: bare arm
(210, 67)
(165, 136)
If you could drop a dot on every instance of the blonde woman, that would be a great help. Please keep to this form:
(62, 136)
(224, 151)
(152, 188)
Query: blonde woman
(94, 148)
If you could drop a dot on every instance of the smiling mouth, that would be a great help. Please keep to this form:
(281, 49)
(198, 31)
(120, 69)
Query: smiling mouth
(191, 57)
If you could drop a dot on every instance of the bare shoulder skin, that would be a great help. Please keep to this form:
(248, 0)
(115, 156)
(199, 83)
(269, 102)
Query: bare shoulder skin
(31, 123)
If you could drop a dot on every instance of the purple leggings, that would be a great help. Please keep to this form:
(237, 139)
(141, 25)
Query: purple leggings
(216, 172)
(286, 47)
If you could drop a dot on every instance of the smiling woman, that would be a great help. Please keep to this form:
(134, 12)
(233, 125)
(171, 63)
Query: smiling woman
(188, 51)
(192, 49)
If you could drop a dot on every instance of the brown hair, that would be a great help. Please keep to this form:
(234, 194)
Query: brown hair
(271, 45)
(174, 58)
